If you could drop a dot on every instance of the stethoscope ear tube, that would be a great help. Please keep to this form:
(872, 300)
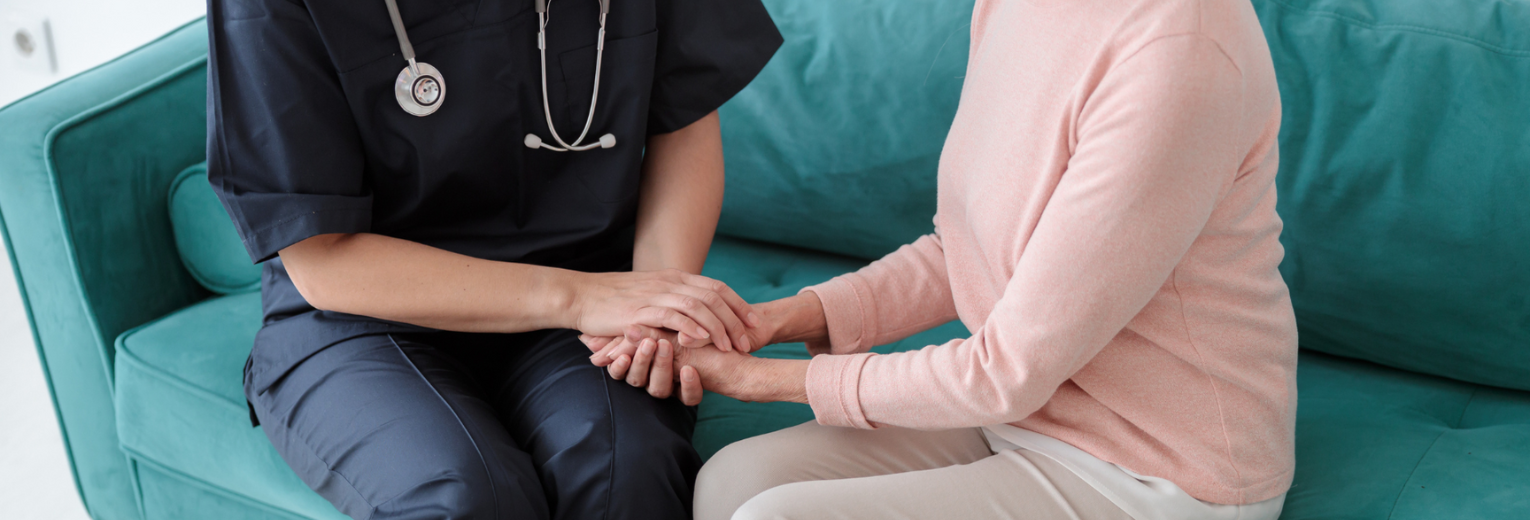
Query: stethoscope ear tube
(535, 141)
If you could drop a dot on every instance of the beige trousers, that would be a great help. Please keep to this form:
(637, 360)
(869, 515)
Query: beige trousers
(820, 472)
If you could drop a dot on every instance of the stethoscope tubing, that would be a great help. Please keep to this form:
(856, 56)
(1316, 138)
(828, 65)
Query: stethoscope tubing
(600, 46)
(404, 47)
(411, 73)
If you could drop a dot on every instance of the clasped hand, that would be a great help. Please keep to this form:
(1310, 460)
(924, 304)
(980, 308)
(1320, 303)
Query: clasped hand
(699, 310)
(654, 355)
(647, 328)
(649, 358)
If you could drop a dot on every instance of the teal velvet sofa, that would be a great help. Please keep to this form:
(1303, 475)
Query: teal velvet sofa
(1405, 189)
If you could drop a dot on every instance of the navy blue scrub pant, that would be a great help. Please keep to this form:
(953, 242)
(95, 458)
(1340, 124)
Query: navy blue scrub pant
(456, 426)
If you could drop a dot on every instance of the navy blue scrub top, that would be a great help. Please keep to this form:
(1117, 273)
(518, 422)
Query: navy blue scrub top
(305, 136)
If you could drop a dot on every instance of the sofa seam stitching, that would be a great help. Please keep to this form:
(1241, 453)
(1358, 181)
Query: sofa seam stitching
(165, 375)
(140, 457)
(64, 223)
(1418, 29)
(1412, 472)
(1464, 408)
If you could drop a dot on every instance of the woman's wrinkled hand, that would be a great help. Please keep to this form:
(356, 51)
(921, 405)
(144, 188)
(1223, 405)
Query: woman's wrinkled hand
(701, 310)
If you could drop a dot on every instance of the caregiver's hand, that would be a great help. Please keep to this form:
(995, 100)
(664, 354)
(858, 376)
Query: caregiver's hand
(702, 309)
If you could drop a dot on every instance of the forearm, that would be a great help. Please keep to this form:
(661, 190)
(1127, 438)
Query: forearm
(777, 380)
(399, 280)
(680, 198)
(903, 293)
(749, 378)
(798, 318)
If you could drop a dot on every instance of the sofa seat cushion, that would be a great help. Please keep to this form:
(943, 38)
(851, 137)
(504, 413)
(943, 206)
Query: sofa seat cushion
(180, 402)
(1372, 442)
(1378, 443)
(180, 405)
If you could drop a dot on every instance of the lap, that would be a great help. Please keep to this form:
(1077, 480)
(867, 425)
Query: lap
(814, 471)
(412, 423)
(564, 410)
(813, 452)
(384, 428)
(1011, 485)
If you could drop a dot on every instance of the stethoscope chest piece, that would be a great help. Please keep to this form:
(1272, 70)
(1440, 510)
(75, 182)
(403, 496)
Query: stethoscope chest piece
(420, 89)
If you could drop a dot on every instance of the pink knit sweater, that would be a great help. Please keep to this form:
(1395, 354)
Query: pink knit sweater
(1106, 228)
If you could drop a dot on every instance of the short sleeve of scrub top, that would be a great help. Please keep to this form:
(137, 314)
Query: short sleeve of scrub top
(284, 147)
(691, 79)
(305, 140)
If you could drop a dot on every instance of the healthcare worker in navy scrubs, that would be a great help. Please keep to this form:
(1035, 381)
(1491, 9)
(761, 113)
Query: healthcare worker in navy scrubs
(427, 272)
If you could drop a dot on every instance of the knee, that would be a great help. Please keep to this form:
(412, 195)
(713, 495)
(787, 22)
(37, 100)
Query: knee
(464, 488)
(447, 496)
(736, 475)
(786, 502)
(657, 450)
(656, 466)
(613, 464)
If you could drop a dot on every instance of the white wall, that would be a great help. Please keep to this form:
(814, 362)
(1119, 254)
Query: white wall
(35, 483)
(87, 33)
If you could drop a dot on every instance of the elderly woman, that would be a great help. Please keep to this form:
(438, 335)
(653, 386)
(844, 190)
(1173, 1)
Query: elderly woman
(1106, 229)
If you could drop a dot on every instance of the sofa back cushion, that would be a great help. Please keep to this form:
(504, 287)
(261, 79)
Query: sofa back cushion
(1405, 181)
(834, 145)
(205, 237)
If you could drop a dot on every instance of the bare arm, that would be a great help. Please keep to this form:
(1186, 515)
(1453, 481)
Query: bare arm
(680, 198)
(398, 280)
(679, 201)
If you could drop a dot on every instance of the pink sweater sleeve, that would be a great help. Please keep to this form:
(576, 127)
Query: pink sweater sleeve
(904, 293)
(1157, 146)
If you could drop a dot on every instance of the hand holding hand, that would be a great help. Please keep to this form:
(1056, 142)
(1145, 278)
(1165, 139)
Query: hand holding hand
(654, 364)
(735, 374)
(614, 348)
(796, 318)
(700, 309)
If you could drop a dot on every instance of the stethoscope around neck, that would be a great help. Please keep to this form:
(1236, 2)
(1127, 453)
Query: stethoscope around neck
(420, 89)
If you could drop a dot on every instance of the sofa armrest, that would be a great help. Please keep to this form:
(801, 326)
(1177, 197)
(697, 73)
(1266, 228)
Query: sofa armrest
(86, 168)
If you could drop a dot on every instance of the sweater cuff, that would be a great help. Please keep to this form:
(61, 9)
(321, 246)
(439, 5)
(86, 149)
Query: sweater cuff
(833, 390)
(845, 316)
